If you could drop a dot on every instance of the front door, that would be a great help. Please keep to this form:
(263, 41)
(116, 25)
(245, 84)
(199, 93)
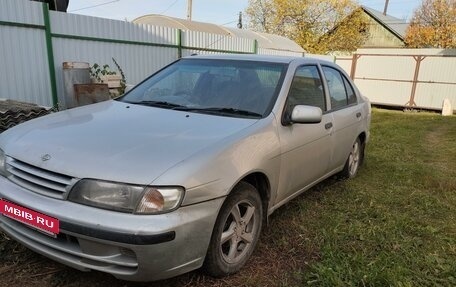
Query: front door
(306, 148)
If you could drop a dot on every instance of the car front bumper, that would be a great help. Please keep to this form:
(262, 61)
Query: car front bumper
(130, 247)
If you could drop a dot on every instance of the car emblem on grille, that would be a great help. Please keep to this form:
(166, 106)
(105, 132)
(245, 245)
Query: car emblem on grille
(46, 157)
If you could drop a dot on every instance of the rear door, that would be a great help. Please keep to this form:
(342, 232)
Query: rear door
(347, 114)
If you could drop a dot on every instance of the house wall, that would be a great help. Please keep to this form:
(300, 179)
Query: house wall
(380, 37)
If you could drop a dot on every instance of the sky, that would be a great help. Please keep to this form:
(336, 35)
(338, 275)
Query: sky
(221, 12)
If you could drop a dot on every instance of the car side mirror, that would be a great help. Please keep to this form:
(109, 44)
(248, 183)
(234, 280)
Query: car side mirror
(306, 115)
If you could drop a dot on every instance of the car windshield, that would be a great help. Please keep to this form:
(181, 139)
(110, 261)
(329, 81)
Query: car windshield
(223, 87)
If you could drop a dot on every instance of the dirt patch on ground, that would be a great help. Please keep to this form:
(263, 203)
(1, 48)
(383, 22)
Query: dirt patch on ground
(441, 151)
(434, 137)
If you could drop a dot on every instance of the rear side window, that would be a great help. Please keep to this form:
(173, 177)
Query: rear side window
(341, 91)
(336, 87)
(306, 89)
(351, 97)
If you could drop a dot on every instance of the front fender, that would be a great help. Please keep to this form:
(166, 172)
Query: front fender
(213, 172)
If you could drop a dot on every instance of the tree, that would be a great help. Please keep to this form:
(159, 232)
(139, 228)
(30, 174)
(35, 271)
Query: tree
(261, 15)
(318, 26)
(433, 25)
(348, 35)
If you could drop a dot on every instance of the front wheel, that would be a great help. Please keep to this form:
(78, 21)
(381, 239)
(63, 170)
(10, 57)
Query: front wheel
(236, 231)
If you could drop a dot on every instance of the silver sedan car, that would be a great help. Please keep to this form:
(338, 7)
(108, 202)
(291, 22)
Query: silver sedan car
(182, 171)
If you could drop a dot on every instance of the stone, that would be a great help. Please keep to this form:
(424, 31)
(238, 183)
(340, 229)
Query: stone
(447, 109)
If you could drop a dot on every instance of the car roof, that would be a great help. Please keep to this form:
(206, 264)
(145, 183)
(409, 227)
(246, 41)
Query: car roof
(261, 58)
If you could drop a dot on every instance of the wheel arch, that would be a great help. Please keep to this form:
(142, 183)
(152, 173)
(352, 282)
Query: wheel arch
(362, 138)
(262, 184)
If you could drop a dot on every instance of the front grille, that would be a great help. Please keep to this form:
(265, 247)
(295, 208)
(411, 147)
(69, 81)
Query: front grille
(37, 179)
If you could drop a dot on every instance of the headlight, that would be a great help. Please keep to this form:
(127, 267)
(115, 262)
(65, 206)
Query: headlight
(125, 197)
(2, 163)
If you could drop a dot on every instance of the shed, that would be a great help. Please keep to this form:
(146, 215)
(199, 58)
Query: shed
(265, 41)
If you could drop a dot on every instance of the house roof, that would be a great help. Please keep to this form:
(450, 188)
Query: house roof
(267, 41)
(395, 25)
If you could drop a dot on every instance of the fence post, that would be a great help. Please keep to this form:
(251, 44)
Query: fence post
(353, 67)
(50, 54)
(418, 59)
(255, 46)
(179, 43)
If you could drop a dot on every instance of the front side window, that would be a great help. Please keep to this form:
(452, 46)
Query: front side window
(306, 89)
(225, 87)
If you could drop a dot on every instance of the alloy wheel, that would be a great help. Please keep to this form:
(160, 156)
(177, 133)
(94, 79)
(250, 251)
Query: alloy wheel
(239, 232)
(353, 160)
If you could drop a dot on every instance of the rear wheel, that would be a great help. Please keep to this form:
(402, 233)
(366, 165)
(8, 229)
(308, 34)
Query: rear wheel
(354, 160)
(236, 231)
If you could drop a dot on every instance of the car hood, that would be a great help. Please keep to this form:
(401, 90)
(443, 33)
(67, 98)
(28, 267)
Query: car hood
(117, 141)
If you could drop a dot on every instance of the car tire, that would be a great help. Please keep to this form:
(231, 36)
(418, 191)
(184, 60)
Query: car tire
(354, 161)
(236, 231)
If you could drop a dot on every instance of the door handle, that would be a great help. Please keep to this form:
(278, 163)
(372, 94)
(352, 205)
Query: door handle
(358, 115)
(328, 126)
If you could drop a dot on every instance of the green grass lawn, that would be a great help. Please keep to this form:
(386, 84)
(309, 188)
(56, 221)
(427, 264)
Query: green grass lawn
(393, 225)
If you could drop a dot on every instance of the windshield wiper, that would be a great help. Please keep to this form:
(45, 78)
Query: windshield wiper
(231, 111)
(168, 105)
(160, 104)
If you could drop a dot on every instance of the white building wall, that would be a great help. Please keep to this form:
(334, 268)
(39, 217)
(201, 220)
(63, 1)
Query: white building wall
(272, 52)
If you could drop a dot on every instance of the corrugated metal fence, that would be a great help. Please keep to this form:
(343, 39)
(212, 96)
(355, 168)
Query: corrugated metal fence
(409, 78)
(24, 66)
(35, 42)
